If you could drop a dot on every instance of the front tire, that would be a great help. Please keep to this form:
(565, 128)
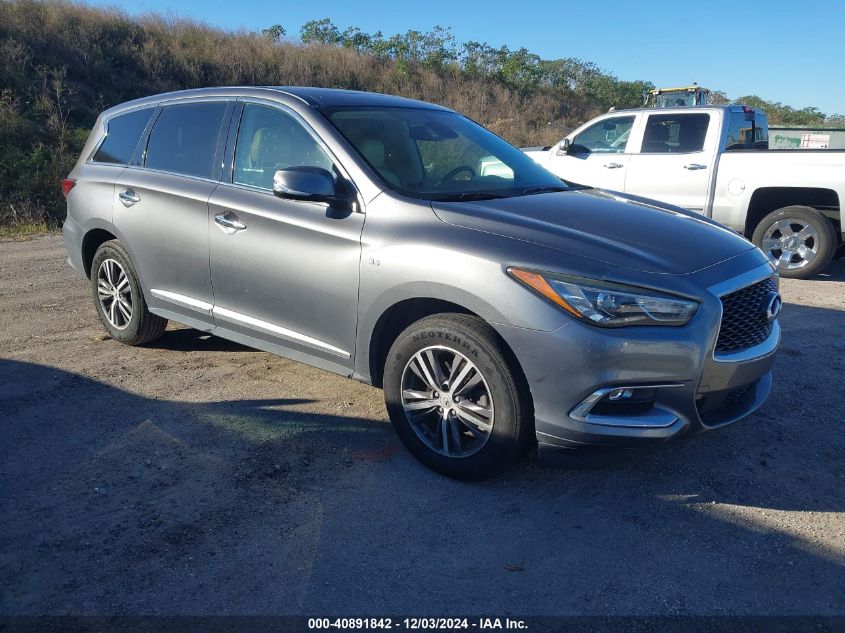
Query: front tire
(799, 239)
(119, 299)
(456, 398)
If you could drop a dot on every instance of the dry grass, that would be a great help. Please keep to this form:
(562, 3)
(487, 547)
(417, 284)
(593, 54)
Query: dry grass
(25, 230)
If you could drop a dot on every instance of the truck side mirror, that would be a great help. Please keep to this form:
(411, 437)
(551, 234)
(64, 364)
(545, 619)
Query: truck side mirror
(563, 148)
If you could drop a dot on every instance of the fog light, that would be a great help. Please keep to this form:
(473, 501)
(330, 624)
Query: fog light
(634, 406)
(620, 394)
(625, 401)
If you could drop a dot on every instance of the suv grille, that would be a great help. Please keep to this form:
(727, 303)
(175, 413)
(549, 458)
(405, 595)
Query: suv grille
(744, 321)
(714, 408)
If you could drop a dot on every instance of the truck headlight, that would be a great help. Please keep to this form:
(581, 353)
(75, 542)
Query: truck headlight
(607, 304)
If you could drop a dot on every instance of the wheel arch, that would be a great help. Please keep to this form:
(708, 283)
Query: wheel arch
(767, 199)
(90, 243)
(400, 315)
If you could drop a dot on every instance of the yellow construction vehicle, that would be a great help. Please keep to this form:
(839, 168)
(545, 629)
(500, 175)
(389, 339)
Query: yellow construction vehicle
(692, 95)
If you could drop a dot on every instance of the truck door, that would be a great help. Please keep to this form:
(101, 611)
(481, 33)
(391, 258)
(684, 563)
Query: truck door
(597, 155)
(675, 161)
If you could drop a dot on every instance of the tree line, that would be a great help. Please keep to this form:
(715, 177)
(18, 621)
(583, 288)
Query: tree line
(61, 63)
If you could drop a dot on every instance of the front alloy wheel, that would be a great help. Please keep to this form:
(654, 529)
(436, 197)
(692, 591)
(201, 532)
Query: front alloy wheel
(457, 397)
(447, 401)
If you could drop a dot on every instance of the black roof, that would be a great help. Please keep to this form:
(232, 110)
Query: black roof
(336, 97)
(314, 97)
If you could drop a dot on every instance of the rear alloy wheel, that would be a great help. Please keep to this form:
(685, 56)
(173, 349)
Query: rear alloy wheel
(456, 396)
(119, 299)
(799, 240)
(114, 294)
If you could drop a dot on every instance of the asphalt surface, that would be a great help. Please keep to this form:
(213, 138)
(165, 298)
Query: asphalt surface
(196, 476)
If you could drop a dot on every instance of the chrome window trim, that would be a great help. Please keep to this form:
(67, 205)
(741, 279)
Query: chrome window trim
(175, 174)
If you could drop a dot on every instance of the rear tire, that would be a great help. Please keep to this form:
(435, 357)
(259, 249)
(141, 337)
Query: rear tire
(473, 428)
(799, 239)
(118, 297)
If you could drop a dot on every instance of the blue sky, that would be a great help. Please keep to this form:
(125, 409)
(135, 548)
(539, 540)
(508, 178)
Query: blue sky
(782, 50)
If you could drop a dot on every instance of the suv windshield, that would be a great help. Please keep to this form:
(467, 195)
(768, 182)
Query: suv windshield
(439, 155)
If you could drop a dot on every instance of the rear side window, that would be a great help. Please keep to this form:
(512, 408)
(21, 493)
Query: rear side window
(675, 133)
(122, 135)
(184, 138)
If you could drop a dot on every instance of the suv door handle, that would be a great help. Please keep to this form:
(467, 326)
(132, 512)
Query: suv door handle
(229, 220)
(613, 165)
(694, 166)
(128, 197)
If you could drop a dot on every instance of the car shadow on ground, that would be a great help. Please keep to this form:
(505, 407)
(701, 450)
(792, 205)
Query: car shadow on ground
(116, 502)
(834, 272)
(185, 339)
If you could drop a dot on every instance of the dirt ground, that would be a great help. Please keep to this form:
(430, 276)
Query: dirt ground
(196, 476)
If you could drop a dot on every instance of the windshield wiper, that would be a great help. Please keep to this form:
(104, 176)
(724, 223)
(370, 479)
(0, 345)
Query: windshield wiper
(466, 196)
(530, 191)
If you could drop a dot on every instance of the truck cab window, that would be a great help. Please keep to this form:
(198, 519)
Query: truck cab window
(609, 136)
(675, 133)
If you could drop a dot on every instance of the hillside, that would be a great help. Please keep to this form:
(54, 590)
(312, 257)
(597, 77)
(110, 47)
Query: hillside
(61, 63)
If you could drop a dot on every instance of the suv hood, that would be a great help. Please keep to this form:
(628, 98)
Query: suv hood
(620, 230)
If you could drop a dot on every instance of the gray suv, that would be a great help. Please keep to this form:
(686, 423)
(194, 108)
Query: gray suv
(401, 244)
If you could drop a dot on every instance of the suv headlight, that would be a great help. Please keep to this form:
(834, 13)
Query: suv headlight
(607, 304)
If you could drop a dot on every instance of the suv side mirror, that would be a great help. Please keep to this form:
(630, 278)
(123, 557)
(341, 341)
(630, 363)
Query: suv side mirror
(563, 148)
(313, 184)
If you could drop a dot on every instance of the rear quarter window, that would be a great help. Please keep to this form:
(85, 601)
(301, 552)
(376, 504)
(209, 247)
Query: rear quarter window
(744, 132)
(122, 135)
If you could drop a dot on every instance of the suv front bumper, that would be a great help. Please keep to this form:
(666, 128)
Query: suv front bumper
(570, 369)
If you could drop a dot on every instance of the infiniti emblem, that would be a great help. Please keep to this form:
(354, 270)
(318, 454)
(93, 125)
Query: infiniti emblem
(772, 306)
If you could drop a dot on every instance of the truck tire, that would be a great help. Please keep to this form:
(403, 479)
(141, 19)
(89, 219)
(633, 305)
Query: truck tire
(456, 398)
(118, 297)
(799, 239)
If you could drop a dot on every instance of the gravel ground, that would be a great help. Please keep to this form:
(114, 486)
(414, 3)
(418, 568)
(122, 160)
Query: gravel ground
(197, 476)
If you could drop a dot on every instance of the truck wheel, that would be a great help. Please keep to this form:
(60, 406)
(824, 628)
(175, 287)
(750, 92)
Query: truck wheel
(800, 240)
(455, 397)
(118, 297)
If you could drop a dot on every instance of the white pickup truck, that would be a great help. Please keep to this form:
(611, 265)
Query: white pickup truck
(715, 160)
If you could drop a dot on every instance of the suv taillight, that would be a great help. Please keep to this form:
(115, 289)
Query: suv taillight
(67, 185)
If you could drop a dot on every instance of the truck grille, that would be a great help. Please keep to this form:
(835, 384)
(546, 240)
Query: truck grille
(744, 322)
